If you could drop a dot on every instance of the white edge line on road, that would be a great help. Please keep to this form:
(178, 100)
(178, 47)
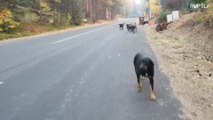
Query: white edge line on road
(75, 36)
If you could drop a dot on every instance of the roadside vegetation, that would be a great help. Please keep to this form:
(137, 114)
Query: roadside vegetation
(28, 17)
(184, 51)
(184, 7)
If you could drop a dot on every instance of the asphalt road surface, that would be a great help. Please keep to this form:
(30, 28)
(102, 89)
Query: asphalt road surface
(84, 74)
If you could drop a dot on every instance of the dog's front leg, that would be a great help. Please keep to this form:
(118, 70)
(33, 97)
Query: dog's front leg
(139, 83)
(152, 95)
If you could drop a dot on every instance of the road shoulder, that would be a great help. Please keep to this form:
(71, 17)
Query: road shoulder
(188, 69)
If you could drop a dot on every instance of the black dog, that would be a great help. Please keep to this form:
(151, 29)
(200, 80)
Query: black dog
(133, 28)
(121, 26)
(127, 26)
(144, 67)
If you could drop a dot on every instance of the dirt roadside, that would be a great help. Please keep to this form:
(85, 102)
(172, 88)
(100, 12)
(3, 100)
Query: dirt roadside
(185, 54)
(43, 33)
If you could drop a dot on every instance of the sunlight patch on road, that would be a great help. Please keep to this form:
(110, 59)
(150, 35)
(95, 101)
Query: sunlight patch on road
(1, 83)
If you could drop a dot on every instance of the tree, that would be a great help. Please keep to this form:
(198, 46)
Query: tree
(173, 4)
(116, 7)
(6, 20)
(76, 15)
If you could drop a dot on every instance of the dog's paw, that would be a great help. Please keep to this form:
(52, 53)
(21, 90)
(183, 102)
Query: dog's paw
(153, 97)
(139, 88)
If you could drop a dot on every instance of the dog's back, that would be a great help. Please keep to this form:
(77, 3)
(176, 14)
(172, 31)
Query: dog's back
(133, 28)
(121, 25)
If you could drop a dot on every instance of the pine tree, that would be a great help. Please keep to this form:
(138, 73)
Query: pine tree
(77, 11)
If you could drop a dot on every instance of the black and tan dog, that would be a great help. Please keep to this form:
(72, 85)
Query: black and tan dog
(144, 67)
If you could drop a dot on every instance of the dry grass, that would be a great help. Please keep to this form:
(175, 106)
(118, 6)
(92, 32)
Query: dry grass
(28, 29)
(185, 52)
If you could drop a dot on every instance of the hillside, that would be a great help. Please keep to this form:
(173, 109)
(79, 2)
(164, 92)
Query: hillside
(185, 54)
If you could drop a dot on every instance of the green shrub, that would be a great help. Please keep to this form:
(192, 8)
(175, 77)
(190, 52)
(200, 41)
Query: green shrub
(62, 20)
(77, 16)
(30, 17)
(65, 19)
(162, 17)
(25, 15)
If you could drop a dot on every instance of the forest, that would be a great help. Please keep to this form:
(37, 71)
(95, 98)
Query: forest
(34, 16)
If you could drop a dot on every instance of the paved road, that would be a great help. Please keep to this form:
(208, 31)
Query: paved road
(85, 74)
